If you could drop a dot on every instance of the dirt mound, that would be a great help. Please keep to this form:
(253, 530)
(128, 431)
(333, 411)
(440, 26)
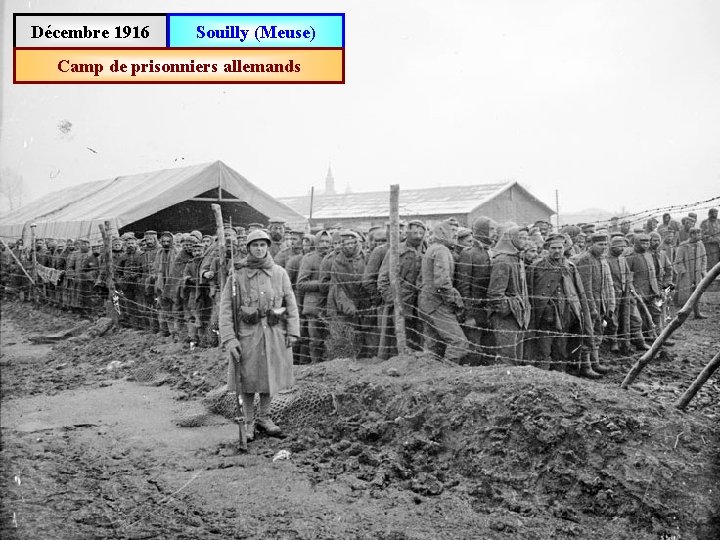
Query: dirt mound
(531, 445)
(502, 451)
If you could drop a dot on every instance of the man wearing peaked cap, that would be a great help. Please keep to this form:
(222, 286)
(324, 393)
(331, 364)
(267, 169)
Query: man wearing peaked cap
(624, 327)
(276, 232)
(645, 281)
(147, 281)
(597, 282)
(558, 302)
(254, 227)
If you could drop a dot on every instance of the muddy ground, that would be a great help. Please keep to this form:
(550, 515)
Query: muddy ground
(91, 446)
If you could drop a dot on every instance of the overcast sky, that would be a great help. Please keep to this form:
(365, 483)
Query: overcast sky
(614, 103)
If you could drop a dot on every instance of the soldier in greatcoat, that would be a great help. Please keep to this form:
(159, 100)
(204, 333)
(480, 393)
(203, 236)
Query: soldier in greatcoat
(147, 283)
(411, 252)
(129, 271)
(439, 302)
(507, 296)
(472, 278)
(690, 263)
(370, 286)
(162, 283)
(314, 293)
(352, 305)
(559, 310)
(624, 325)
(645, 278)
(597, 282)
(258, 325)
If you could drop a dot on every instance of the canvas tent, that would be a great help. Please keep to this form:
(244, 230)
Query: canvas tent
(172, 199)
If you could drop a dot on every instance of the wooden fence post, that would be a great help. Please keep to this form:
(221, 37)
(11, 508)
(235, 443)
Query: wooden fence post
(697, 384)
(679, 319)
(109, 281)
(395, 268)
(33, 259)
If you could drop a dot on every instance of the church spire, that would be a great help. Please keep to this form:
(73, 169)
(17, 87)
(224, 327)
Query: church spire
(329, 182)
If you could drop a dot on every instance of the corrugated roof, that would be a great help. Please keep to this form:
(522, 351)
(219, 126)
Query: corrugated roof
(76, 211)
(413, 202)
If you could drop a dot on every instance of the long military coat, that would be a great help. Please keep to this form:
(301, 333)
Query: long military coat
(690, 263)
(266, 363)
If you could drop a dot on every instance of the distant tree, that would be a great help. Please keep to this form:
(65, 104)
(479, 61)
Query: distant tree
(12, 187)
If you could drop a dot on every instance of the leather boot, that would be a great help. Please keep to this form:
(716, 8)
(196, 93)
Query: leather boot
(585, 369)
(264, 422)
(595, 363)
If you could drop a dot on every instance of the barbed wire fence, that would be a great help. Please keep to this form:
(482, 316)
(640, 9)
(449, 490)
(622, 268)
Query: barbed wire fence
(82, 289)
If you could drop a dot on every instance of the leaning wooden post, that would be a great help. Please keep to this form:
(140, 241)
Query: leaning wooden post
(109, 282)
(701, 379)
(679, 319)
(18, 261)
(33, 260)
(221, 259)
(395, 268)
(221, 246)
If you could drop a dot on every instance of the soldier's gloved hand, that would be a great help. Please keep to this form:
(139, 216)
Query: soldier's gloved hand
(470, 321)
(209, 274)
(290, 341)
(233, 347)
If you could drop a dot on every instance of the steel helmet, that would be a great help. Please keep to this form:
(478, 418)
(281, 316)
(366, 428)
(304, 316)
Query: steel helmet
(258, 234)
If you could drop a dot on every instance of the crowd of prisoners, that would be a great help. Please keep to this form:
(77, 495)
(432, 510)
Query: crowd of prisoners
(484, 294)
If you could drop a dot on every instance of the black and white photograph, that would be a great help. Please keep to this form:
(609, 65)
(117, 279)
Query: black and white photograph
(330, 270)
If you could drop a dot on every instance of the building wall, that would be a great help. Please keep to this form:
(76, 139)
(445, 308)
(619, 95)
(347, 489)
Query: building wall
(512, 205)
(364, 224)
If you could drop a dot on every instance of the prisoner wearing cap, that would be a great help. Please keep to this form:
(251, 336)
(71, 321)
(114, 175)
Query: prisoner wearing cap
(255, 227)
(279, 220)
(151, 233)
(618, 240)
(380, 235)
(555, 238)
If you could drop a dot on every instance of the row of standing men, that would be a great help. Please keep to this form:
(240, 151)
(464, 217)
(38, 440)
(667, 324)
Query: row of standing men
(478, 295)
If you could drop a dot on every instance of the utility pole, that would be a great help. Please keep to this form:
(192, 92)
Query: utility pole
(557, 210)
